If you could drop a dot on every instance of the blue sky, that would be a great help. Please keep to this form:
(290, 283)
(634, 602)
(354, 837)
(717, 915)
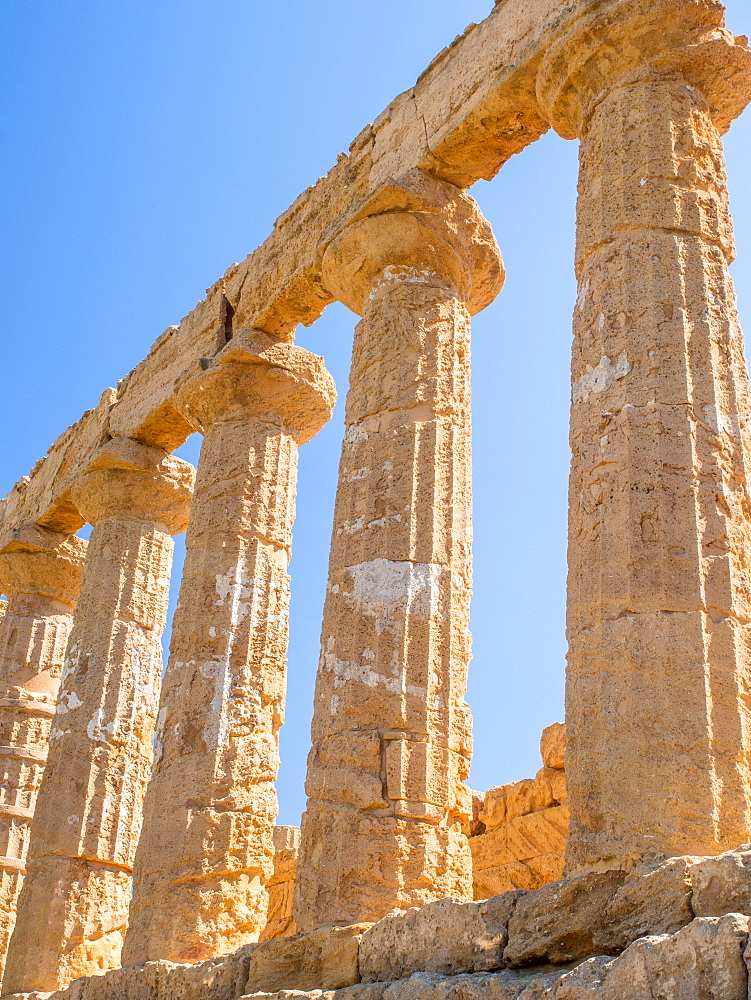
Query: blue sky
(150, 143)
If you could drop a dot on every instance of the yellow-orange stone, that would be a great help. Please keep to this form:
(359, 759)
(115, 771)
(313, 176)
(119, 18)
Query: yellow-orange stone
(40, 571)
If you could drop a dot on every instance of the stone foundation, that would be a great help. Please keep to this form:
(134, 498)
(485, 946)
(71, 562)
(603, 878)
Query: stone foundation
(677, 929)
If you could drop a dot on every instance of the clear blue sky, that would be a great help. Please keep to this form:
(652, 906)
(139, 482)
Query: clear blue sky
(148, 144)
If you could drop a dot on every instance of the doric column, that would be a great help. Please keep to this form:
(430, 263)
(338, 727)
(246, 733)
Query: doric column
(659, 599)
(391, 730)
(207, 846)
(74, 903)
(40, 572)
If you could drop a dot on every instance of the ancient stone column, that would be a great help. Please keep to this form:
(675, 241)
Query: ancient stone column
(207, 847)
(40, 572)
(659, 599)
(391, 729)
(74, 903)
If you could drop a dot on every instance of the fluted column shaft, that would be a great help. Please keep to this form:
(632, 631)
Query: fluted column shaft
(207, 846)
(391, 729)
(659, 602)
(74, 904)
(41, 575)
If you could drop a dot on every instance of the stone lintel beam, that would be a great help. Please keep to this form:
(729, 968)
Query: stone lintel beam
(472, 109)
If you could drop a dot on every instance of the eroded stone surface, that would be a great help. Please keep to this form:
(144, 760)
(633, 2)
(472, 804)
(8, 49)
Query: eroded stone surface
(660, 521)
(40, 571)
(519, 840)
(207, 849)
(324, 959)
(74, 902)
(280, 921)
(597, 914)
(446, 937)
(391, 730)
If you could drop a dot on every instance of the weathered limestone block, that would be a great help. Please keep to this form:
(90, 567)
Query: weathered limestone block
(519, 841)
(322, 959)
(722, 884)
(446, 936)
(74, 903)
(553, 746)
(660, 519)
(281, 886)
(598, 914)
(222, 978)
(40, 571)
(703, 961)
(507, 985)
(526, 852)
(391, 730)
(207, 850)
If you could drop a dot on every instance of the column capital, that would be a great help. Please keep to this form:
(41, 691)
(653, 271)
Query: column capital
(35, 560)
(256, 375)
(128, 479)
(415, 230)
(636, 41)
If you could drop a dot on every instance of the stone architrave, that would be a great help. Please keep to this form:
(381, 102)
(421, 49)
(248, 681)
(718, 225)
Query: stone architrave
(207, 848)
(40, 572)
(74, 902)
(391, 729)
(659, 593)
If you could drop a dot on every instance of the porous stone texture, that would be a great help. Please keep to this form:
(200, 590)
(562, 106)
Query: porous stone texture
(446, 936)
(207, 849)
(74, 902)
(40, 572)
(609, 936)
(322, 959)
(703, 961)
(391, 730)
(519, 838)
(280, 921)
(659, 511)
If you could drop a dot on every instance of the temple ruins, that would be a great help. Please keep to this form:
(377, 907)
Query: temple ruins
(141, 860)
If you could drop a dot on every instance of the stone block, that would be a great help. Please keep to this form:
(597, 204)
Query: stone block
(419, 772)
(502, 878)
(507, 985)
(559, 922)
(445, 936)
(524, 853)
(557, 779)
(492, 813)
(347, 767)
(529, 796)
(553, 745)
(322, 959)
(703, 961)
(722, 884)
(599, 914)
